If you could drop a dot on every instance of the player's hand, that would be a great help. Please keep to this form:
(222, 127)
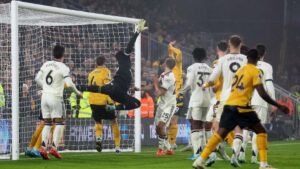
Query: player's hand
(172, 43)
(284, 109)
(141, 26)
(180, 100)
(205, 86)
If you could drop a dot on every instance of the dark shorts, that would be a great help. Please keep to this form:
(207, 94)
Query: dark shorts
(231, 118)
(181, 111)
(99, 113)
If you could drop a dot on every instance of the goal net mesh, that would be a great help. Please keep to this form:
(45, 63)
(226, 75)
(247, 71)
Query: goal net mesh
(84, 40)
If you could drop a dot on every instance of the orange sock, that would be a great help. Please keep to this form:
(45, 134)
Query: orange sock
(172, 133)
(98, 130)
(262, 146)
(211, 145)
(36, 135)
(117, 136)
(229, 138)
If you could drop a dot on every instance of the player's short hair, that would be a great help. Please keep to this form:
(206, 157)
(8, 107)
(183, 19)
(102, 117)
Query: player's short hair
(58, 51)
(100, 61)
(244, 49)
(261, 49)
(252, 54)
(235, 41)
(170, 63)
(199, 54)
(222, 46)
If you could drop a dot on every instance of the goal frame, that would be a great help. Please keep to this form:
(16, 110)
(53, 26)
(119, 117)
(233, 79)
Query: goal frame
(15, 5)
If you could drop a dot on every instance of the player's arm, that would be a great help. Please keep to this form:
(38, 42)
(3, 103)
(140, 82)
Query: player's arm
(39, 78)
(176, 51)
(159, 89)
(69, 82)
(216, 72)
(188, 82)
(140, 27)
(269, 83)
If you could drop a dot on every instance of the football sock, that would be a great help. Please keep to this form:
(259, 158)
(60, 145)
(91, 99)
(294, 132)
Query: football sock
(57, 134)
(229, 138)
(237, 144)
(38, 142)
(172, 133)
(45, 134)
(262, 143)
(254, 145)
(162, 140)
(245, 141)
(208, 134)
(195, 136)
(116, 132)
(36, 135)
(211, 145)
(98, 130)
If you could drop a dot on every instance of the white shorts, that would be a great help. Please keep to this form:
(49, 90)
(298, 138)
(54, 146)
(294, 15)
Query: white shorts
(164, 115)
(219, 110)
(262, 113)
(197, 113)
(53, 107)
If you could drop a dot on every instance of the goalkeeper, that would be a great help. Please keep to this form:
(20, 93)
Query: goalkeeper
(117, 89)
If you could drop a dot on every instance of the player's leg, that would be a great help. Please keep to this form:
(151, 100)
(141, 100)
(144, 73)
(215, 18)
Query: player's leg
(227, 123)
(97, 113)
(237, 144)
(46, 113)
(117, 134)
(242, 155)
(36, 137)
(57, 135)
(126, 101)
(173, 130)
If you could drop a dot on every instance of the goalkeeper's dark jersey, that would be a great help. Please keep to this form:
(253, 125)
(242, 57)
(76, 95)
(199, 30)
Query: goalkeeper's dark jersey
(123, 76)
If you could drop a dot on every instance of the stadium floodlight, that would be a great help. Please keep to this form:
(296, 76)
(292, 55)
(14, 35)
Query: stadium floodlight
(27, 34)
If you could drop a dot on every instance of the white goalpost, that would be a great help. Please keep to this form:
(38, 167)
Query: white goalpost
(27, 34)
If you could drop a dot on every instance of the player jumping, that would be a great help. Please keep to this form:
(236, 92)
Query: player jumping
(238, 112)
(52, 77)
(118, 88)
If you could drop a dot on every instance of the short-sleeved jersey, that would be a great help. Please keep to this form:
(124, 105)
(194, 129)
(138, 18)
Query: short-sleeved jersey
(176, 54)
(197, 75)
(243, 86)
(53, 75)
(227, 67)
(100, 76)
(267, 73)
(168, 82)
(218, 84)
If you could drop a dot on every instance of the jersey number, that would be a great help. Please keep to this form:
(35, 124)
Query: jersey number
(49, 78)
(237, 82)
(234, 67)
(201, 81)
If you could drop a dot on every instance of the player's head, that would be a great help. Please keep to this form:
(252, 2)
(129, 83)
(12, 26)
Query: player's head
(199, 54)
(100, 61)
(235, 42)
(252, 56)
(58, 52)
(170, 63)
(222, 48)
(244, 49)
(261, 49)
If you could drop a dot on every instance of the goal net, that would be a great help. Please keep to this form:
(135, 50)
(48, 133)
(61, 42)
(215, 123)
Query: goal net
(28, 33)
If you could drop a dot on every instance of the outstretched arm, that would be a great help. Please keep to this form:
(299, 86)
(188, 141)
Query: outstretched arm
(140, 27)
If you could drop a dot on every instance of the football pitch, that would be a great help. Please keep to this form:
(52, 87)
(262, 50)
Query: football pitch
(282, 155)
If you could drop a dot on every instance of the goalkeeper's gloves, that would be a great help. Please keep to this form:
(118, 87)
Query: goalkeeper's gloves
(179, 100)
(140, 27)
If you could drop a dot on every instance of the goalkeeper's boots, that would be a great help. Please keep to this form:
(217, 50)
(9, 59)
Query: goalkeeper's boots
(170, 152)
(55, 153)
(267, 167)
(211, 160)
(242, 158)
(28, 152)
(254, 160)
(99, 144)
(198, 165)
(234, 161)
(160, 152)
(44, 154)
(35, 153)
(118, 151)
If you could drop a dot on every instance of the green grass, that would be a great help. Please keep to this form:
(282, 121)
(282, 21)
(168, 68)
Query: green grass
(282, 155)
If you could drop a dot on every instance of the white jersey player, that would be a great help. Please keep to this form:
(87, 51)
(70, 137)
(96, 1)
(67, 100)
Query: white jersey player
(260, 106)
(227, 66)
(52, 77)
(165, 87)
(197, 75)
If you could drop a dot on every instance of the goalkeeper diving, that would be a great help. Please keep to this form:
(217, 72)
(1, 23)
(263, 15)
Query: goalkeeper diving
(117, 89)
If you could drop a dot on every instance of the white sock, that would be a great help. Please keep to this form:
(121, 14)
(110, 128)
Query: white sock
(202, 141)
(245, 140)
(195, 138)
(254, 145)
(263, 164)
(237, 144)
(45, 135)
(208, 134)
(57, 134)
